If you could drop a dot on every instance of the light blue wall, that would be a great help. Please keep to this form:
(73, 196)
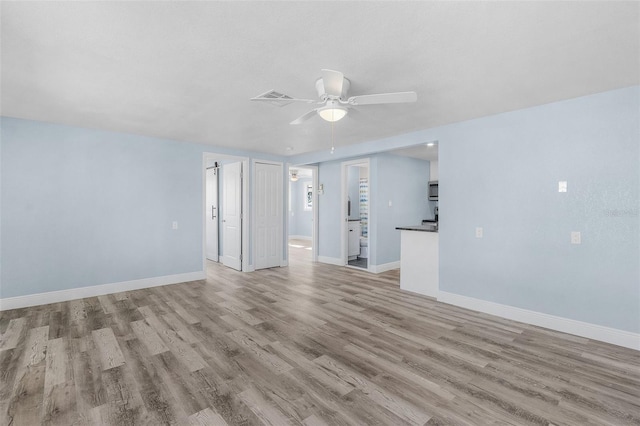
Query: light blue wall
(501, 173)
(403, 181)
(329, 220)
(83, 207)
(300, 220)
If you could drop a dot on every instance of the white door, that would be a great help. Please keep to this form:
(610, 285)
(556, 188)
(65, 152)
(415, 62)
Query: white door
(268, 208)
(232, 215)
(211, 213)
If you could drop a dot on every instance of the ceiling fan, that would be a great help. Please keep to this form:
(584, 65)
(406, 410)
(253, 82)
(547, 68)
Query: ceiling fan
(334, 104)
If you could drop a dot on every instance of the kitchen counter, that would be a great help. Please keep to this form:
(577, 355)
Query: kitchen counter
(422, 228)
(419, 259)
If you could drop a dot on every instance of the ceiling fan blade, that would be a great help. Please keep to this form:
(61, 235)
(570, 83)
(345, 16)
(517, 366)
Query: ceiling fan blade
(332, 81)
(384, 98)
(304, 117)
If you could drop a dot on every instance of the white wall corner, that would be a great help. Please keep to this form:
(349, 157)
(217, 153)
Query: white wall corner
(566, 325)
(377, 269)
(97, 290)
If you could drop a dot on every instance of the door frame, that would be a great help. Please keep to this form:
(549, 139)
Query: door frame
(344, 241)
(245, 263)
(283, 207)
(217, 202)
(314, 209)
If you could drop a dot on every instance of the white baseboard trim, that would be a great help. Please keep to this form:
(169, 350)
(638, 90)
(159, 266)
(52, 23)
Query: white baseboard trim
(96, 290)
(300, 237)
(331, 260)
(565, 325)
(376, 269)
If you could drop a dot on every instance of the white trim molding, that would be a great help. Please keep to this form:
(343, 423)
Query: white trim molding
(377, 269)
(96, 290)
(565, 325)
(331, 260)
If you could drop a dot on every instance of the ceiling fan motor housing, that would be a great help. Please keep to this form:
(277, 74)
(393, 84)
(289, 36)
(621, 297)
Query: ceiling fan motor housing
(322, 93)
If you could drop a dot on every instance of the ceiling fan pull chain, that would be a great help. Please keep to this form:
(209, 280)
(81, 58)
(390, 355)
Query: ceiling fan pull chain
(332, 138)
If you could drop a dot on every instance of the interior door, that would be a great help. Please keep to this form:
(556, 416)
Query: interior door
(269, 215)
(211, 214)
(232, 215)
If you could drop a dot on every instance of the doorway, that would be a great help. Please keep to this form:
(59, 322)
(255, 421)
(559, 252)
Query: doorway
(302, 213)
(232, 215)
(212, 221)
(356, 214)
(225, 236)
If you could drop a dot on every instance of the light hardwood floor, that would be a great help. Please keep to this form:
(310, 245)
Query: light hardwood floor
(308, 344)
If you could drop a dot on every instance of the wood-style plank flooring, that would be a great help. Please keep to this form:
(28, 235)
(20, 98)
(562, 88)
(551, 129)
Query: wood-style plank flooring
(308, 344)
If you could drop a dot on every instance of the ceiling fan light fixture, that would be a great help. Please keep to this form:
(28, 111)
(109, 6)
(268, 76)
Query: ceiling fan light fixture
(332, 112)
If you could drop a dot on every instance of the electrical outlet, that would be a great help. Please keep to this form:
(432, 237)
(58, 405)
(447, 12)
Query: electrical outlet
(562, 186)
(576, 238)
(390, 203)
(174, 225)
(479, 232)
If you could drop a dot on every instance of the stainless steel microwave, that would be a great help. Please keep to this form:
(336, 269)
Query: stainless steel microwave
(433, 190)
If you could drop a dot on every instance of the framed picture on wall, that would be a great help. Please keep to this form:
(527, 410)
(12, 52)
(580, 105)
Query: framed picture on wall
(308, 198)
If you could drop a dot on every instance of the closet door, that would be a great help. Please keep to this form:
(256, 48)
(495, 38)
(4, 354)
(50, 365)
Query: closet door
(232, 215)
(269, 216)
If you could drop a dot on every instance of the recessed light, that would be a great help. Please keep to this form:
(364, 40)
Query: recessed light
(430, 144)
(289, 148)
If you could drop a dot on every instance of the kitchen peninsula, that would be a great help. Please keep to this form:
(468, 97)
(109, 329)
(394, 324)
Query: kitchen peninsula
(419, 259)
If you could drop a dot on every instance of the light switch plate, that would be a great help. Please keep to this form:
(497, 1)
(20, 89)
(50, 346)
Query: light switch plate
(576, 237)
(174, 225)
(479, 232)
(562, 186)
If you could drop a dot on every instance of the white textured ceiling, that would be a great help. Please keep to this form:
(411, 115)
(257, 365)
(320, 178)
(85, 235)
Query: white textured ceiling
(186, 70)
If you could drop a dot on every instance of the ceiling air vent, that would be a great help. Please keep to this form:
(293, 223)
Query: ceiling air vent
(276, 98)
